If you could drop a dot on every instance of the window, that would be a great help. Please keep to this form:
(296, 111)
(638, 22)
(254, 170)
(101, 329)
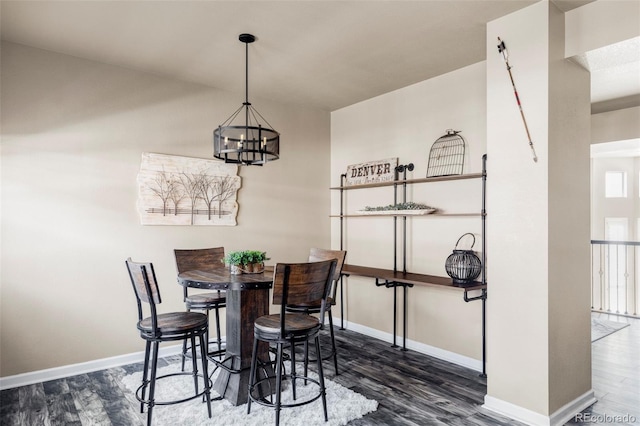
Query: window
(616, 228)
(615, 184)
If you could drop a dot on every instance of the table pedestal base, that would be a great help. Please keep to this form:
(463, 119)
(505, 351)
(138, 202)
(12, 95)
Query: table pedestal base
(247, 299)
(234, 385)
(243, 308)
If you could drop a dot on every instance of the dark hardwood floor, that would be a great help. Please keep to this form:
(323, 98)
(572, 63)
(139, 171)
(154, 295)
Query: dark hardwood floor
(411, 388)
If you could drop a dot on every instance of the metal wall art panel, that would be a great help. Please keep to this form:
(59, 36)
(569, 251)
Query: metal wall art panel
(175, 190)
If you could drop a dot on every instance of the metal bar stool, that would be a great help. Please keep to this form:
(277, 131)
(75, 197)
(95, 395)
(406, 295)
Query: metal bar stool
(295, 283)
(198, 259)
(157, 328)
(315, 255)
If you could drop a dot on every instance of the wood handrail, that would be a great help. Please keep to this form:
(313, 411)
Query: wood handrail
(620, 243)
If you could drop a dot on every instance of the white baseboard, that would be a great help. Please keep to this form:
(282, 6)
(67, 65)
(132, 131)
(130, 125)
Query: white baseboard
(30, 378)
(568, 411)
(559, 418)
(433, 351)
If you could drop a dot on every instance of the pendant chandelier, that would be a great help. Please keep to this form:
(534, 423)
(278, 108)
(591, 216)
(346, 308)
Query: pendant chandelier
(250, 142)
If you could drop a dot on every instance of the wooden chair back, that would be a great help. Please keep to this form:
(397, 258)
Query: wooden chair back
(318, 254)
(301, 283)
(198, 259)
(194, 259)
(145, 287)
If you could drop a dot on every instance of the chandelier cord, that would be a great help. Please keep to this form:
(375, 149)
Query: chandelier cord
(246, 82)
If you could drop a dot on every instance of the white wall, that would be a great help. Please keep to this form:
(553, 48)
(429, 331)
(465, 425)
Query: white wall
(600, 23)
(603, 207)
(72, 136)
(614, 126)
(404, 124)
(538, 307)
(617, 131)
(617, 125)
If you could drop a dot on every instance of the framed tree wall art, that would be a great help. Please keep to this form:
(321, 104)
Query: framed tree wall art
(174, 190)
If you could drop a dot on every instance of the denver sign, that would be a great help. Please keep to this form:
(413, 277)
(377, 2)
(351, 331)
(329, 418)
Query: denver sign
(372, 172)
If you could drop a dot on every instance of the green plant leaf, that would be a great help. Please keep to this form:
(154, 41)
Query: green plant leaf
(399, 206)
(244, 257)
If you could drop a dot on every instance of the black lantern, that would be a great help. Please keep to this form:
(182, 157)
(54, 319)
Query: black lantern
(463, 265)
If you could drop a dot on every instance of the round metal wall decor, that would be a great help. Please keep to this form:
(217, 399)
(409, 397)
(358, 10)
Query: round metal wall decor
(463, 265)
(446, 156)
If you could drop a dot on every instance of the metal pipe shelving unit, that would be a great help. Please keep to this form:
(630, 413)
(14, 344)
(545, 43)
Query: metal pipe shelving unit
(395, 278)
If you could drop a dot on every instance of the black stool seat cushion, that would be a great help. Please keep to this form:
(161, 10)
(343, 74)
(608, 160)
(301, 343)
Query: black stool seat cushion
(206, 299)
(295, 324)
(175, 323)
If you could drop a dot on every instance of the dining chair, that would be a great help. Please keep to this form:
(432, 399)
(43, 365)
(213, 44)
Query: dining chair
(156, 328)
(199, 259)
(315, 255)
(295, 283)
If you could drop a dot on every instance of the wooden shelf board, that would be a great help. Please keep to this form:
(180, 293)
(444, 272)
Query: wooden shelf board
(411, 181)
(409, 278)
(410, 215)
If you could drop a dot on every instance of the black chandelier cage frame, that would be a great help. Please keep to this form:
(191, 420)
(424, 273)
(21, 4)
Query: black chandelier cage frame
(251, 142)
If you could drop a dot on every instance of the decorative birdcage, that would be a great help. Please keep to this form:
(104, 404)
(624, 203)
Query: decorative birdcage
(463, 266)
(446, 156)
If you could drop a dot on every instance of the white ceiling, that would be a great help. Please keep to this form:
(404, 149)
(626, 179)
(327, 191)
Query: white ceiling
(615, 75)
(327, 54)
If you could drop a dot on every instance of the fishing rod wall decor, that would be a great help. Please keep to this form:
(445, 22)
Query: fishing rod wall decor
(505, 55)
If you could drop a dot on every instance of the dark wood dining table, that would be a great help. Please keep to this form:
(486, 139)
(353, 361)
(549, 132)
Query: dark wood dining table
(247, 299)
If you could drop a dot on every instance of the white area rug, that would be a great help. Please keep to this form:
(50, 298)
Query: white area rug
(343, 405)
(602, 328)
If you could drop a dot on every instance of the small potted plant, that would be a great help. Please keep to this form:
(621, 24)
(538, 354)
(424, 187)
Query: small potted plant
(253, 261)
(249, 261)
(234, 259)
